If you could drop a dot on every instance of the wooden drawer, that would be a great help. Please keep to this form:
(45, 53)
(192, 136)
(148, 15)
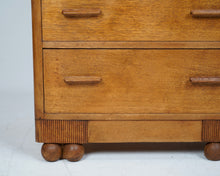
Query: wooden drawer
(130, 81)
(129, 20)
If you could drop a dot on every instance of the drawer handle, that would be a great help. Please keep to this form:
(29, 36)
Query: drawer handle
(206, 13)
(82, 79)
(81, 12)
(205, 80)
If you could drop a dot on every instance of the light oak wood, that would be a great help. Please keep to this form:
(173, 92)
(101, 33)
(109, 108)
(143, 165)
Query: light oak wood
(144, 131)
(156, 64)
(82, 79)
(37, 54)
(133, 81)
(206, 80)
(132, 45)
(126, 117)
(206, 13)
(130, 20)
(81, 12)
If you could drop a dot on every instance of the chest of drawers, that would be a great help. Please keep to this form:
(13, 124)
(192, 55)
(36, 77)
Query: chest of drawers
(122, 71)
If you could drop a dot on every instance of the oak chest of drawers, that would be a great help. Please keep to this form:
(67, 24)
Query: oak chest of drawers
(121, 71)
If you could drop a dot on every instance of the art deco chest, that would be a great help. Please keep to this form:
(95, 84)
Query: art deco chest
(120, 71)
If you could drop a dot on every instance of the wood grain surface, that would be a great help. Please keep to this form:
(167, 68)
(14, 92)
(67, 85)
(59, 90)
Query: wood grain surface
(144, 131)
(211, 131)
(62, 131)
(133, 45)
(129, 117)
(130, 20)
(152, 61)
(38, 62)
(133, 81)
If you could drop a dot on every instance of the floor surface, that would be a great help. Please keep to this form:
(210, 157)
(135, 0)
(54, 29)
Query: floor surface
(20, 154)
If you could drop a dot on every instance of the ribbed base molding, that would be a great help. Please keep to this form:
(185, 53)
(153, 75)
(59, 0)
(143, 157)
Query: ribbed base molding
(62, 131)
(211, 131)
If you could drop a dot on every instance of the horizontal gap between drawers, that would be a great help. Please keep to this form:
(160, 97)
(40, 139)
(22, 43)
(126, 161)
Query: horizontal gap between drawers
(131, 117)
(133, 45)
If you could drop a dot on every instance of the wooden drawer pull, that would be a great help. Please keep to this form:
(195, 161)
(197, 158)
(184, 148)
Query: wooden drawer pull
(82, 79)
(206, 13)
(205, 80)
(81, 12)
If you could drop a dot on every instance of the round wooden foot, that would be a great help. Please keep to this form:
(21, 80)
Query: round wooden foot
(73, 152)
(212, 151)
(51, 152)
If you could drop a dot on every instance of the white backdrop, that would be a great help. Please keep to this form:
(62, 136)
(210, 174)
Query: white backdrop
(16, 70)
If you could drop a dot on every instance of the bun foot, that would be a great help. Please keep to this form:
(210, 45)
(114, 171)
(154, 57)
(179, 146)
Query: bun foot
(73, 152)
(212, 151)
(51, 152)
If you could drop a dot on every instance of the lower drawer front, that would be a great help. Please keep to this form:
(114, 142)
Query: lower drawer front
(130, 81)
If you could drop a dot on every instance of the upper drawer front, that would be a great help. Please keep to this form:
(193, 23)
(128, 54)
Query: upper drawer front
(131, 81)
(128, 20)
